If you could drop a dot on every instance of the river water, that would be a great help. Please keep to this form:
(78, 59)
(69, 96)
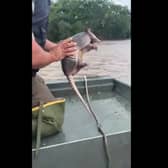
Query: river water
(112, 59)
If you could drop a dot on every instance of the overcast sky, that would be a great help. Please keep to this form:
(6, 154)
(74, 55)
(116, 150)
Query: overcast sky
(124, 2)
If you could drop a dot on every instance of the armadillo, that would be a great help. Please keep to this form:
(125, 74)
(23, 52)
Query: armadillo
(71, 65)
(86, 41)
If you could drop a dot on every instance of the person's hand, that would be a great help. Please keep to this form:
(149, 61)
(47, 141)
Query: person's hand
(64, 48)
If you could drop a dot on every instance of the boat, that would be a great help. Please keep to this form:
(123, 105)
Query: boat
(80, 145)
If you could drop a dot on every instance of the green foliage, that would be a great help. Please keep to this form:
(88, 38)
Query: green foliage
(107, 20)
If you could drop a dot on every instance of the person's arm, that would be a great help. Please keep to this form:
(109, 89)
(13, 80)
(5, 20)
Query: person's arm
(42, 58)
(49, 44)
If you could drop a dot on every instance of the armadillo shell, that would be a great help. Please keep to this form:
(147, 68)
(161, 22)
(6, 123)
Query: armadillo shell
(69, 65)
(82, 39)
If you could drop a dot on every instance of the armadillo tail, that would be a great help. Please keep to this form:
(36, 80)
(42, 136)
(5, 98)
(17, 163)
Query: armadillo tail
(74, 87)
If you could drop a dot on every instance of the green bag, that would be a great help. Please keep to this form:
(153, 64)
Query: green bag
(47, 119)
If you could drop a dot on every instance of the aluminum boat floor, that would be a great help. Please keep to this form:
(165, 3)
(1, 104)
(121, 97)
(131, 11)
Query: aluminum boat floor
(112, 109)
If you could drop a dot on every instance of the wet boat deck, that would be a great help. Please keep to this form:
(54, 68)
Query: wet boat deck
(80, 144)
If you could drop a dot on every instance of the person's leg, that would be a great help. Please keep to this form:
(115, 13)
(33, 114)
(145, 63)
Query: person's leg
(40, 92)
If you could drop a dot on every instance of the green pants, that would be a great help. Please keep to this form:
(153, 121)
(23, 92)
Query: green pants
(47, 111)
(53, 109)
(40, 91)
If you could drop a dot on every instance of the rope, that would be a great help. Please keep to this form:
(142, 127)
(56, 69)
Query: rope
(99, 127)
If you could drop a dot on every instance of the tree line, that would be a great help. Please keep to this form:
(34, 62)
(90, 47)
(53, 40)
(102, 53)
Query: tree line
(106, 19)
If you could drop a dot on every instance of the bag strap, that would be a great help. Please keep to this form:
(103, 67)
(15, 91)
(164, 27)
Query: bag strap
(39, 124)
